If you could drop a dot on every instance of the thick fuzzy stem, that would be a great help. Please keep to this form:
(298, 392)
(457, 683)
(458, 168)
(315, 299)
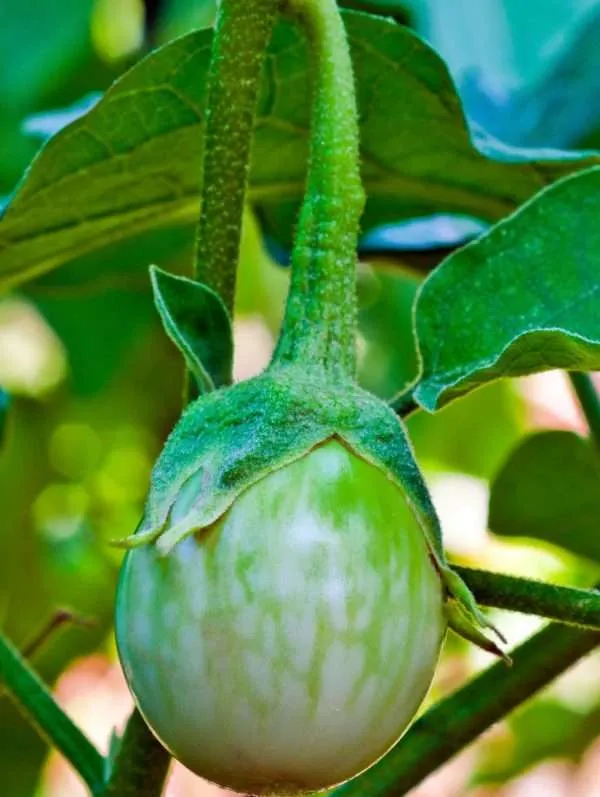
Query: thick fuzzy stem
(319, 328)
(242, 34)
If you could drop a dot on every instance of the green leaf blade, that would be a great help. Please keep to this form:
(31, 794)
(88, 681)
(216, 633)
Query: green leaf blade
(523, 298)
(549, 489)
(132, 164)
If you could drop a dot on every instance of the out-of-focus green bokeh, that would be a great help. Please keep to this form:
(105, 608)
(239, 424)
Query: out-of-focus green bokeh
(95, 385)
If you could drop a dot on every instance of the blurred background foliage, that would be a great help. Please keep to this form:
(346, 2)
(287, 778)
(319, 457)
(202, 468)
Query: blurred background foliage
(95, 386)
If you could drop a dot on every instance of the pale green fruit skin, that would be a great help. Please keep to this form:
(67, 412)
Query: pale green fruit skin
(286, 648)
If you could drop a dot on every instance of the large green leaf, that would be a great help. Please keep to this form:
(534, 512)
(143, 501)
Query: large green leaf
(524, 297)
(549, 489)
(132, 163)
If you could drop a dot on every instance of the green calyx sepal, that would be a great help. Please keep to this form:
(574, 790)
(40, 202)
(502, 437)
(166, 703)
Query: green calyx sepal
(469, 625)
(228, 440)
(466, 618)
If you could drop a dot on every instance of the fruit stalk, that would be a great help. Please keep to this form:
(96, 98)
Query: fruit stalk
(320, 320)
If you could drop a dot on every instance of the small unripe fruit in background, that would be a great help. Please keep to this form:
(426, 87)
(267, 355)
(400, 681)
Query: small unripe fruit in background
(286, 647)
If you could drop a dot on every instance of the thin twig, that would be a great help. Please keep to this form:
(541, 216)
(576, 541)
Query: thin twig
(60, 618)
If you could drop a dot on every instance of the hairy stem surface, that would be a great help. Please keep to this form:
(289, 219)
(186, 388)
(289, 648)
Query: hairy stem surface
(319, 327)
(579, 607)
(242, 34)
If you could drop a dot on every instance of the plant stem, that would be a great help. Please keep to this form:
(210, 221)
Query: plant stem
(60, 618)
(579, 607)
(141, 765)
(404, 404)
(319, 327)
(457, 720)
(242, 33)
(40, 708)
(589, 401)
